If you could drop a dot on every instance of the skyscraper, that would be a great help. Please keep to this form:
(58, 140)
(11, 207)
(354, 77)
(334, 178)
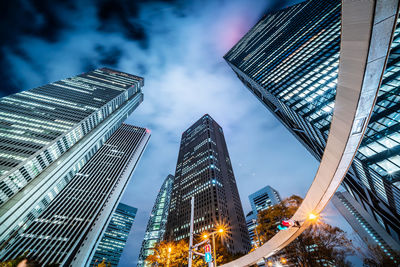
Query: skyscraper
(204, 171)
(260, 200)
(48, 133)
(264, 198)
(114, 239)
(155, 229)
(289, 61)
(68, 230)
(364, 224)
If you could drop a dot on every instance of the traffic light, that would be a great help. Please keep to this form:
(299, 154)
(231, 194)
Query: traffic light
(286, 224)
(207, 253)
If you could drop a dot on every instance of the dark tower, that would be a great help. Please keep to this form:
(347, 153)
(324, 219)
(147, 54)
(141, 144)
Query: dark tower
(204, 171)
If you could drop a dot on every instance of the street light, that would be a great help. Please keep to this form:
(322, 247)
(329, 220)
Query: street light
(220, 230)
(283, 260)
(312, 216)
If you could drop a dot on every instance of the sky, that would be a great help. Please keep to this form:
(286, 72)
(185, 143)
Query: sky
(177, 46)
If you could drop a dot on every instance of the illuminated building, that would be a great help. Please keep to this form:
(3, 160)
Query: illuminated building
(369, 230)
(68, 231)
(260, 200)
(155, 229)
(289, 60)
(114, 239)
(48, 133)
(204, 171)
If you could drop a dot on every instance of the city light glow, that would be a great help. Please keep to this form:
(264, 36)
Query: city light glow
(313, 217)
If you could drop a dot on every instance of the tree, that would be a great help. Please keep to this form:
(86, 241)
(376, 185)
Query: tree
(319, 244)
(376, 257)
(269, 219)
(223, 255)
(23, 260)
(177, 252)
(102, 264)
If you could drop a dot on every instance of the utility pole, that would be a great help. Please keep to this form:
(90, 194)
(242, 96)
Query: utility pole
(191, 232)
(214, 256)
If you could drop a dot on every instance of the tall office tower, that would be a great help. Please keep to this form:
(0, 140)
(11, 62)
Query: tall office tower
(204, 171)
(264, 198)
(114, 239)
(68, 231)
(48, 133)
(260, 200)
(289, 61)
(158, 219)
(364, 224)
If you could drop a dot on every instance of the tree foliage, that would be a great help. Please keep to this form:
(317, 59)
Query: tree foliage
(21, 259)
(178, 256)
(103, 264)
(319, 244)
(223, 255)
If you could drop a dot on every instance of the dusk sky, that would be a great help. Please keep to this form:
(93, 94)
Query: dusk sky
(177, 46)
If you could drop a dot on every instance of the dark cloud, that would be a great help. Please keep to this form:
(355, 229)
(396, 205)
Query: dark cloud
(39, 18)
(109, 56)
(120, 16)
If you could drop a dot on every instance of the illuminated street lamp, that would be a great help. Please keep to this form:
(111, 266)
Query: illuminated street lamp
(283, 260)
(313, 217)
(220, 230)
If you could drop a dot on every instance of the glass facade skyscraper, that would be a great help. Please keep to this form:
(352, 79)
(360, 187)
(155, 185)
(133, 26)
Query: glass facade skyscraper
(204, 170)
(260, 200)
(289, 60)
(48, 133)
(156, 226)
(364, 224)
(114, 239)
(264, 198)
(68, 231)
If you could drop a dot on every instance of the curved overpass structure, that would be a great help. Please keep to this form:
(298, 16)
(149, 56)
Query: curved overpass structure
(367, 30)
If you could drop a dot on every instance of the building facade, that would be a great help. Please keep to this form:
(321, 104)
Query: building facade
(260, 200)
(289, 61)
(263, 199)
(204, 171)
(48, 133)
(364, 224)
(114, 239)
(156, 226)
(68, 231)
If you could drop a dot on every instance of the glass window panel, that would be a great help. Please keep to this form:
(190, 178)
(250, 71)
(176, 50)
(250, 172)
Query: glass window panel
(377, 147)
(388, 166)
(389, 143)
(366, 151)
